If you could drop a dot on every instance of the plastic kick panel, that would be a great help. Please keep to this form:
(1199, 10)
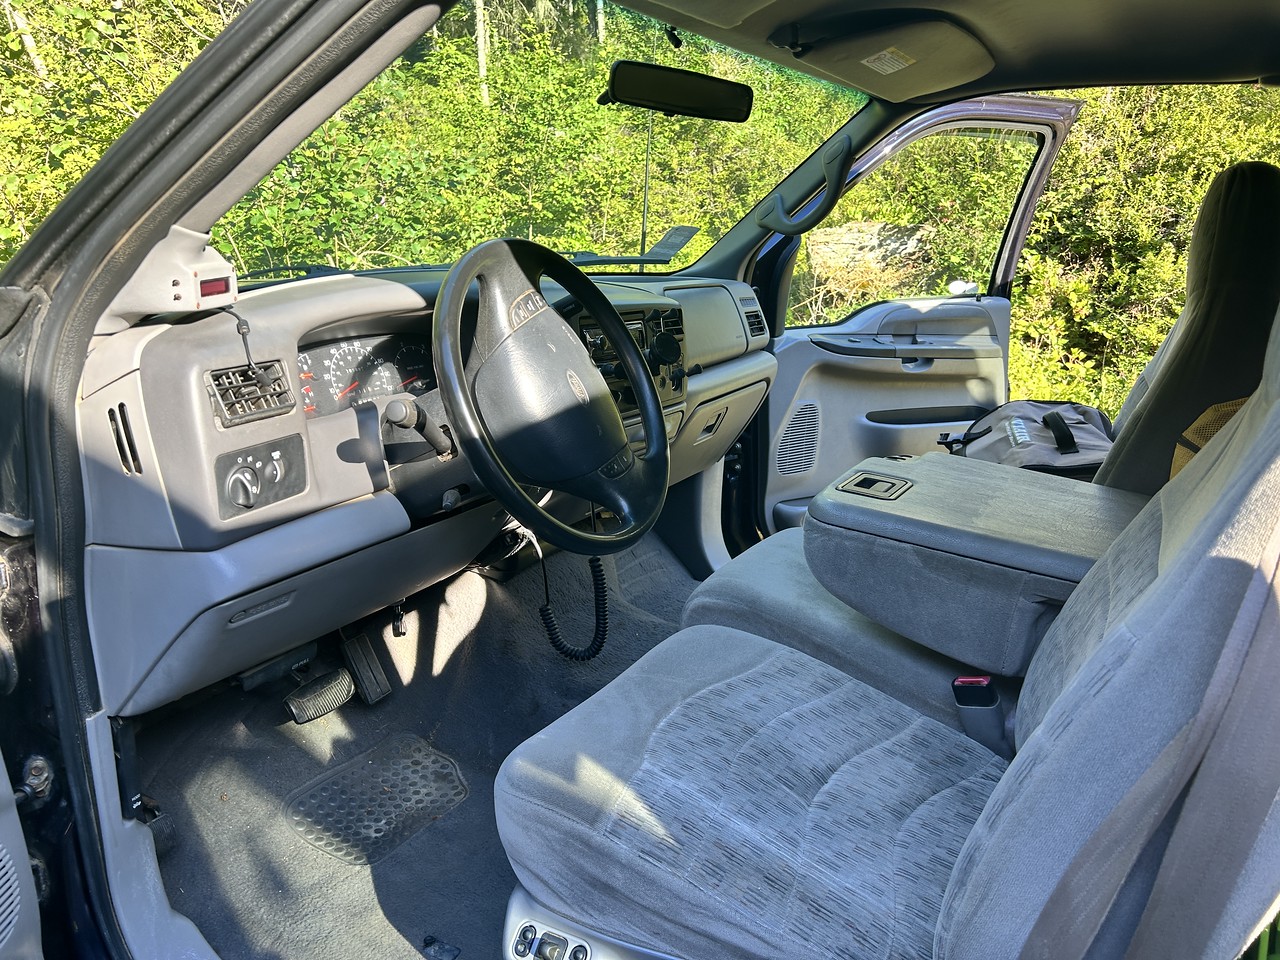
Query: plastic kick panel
(10, 896)
(373, 803)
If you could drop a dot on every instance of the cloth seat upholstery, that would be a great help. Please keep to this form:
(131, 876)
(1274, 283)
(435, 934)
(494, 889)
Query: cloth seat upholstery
(1214, 352)
(1213, 355)
(728, 797)
(759, 801)
(798, 612)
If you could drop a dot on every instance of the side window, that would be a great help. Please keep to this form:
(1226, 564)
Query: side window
(926, 223)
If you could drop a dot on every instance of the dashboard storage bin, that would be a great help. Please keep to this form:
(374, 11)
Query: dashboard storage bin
(966, 557)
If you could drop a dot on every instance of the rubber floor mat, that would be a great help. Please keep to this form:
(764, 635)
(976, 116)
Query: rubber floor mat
(373, 803)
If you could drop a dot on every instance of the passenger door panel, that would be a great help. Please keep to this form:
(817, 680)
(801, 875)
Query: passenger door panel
(19, 910)
(934, 218)
(885, 382)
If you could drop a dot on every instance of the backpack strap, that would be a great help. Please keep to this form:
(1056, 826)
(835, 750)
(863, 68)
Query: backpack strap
(1062, 435)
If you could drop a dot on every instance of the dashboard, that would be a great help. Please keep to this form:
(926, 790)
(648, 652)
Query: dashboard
(266, 503)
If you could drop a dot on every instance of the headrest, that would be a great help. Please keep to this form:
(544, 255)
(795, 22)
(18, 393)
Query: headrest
(1236, 239)
(1233, 266)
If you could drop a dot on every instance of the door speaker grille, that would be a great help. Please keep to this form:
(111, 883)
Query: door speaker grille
(798, 448)
(10, 896)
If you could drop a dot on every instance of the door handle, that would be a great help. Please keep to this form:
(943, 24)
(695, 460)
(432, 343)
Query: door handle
(867, 346)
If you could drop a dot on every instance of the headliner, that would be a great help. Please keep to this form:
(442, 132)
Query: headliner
(1036, 44)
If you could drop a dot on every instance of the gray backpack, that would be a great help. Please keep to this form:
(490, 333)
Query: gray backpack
(1067, 439)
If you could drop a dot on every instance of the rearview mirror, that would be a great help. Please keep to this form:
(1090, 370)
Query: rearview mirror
(677, 92)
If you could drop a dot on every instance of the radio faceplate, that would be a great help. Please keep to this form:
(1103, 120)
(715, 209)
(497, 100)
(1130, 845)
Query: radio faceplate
(645, 328)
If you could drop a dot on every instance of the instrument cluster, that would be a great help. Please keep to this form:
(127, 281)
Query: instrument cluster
(334, 376)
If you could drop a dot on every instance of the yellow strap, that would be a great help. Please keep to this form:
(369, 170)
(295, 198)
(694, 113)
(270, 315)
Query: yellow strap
(1201, 432)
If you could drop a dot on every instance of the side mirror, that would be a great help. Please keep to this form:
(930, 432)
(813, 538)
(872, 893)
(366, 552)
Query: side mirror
(677, 92)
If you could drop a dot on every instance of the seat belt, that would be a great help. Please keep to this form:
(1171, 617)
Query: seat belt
(1210, 760)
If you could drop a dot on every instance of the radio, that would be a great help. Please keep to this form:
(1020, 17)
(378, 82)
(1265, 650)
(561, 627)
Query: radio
(659, 335)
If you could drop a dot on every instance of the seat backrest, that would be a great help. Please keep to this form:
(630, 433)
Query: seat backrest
(1119, 673)
(1214, 352)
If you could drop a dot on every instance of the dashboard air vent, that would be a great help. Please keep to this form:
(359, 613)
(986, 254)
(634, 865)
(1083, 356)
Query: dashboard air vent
(798, 448)
(238, 397)
(118, 417)
(673, 322)
(755, 319)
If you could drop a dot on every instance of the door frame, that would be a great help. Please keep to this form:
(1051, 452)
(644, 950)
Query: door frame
(770, 270)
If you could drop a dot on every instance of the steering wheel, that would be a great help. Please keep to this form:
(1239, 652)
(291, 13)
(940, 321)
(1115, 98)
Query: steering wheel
(529, 408)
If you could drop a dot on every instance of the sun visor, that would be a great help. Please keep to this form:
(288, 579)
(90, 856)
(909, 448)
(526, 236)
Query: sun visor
(903, 62)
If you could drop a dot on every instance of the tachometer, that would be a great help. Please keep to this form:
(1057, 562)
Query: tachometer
(414, 369)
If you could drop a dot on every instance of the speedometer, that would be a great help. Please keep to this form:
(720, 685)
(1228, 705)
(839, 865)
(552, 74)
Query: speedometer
(353, 372)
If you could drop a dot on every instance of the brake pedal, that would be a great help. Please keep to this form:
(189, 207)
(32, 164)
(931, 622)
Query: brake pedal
(322, 695)
(370, 679)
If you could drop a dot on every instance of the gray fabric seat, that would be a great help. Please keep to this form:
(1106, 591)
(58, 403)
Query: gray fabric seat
(730, 797)
(1213, 355)
(799, 612)
(766, 805)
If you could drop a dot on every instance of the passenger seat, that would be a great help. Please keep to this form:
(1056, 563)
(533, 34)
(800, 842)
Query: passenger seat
(1213, 356)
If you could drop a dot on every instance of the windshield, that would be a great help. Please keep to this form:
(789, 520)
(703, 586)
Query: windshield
(489, 126)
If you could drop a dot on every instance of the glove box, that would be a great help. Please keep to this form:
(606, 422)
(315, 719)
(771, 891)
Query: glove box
(969, 558)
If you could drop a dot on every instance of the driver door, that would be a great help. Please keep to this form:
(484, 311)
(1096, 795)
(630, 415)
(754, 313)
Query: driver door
(898, 314)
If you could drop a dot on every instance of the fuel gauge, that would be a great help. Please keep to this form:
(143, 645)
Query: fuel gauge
(306, 385)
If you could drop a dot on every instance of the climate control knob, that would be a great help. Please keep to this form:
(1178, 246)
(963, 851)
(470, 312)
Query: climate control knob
(244, 486)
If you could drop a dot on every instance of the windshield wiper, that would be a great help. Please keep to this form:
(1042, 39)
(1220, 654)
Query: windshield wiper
(661, 253)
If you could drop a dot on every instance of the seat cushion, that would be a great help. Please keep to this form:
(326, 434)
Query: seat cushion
(770, 591)
(644, 815)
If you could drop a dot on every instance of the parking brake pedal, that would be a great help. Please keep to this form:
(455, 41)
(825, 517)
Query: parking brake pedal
(370, 679)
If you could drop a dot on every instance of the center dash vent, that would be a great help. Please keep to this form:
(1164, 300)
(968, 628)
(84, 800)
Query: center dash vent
(673, 322)
(755, 319)
(238, 397)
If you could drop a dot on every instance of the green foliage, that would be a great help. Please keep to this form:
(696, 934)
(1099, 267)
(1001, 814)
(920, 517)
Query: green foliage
(448, 158)
(931, 214)
(72, 78)
(432, 158)
(1103, 276)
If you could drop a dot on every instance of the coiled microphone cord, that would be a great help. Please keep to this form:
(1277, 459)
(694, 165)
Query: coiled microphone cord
(599, 587)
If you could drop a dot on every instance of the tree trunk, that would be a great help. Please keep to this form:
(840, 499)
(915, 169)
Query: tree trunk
(482, 50)
(600, 21)
(23, 30)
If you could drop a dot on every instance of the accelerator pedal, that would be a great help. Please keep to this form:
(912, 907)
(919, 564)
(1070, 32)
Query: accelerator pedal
(370, 679)
(322, 695)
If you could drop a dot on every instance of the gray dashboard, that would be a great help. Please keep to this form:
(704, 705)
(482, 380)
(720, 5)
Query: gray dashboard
(257, 524)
